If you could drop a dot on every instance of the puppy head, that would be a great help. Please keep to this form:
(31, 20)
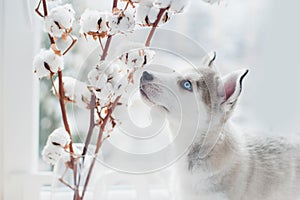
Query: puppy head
(193, 92)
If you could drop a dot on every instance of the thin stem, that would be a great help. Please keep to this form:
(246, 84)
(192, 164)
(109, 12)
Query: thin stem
(54, 88)
(92, 107)
(108, 41)
(99, 143)
(105, 51)
(37, 9)
(67, 127)
(126, 6)
(66, 184)
(72, 44)
(52, 40)
(63, 107)
(100, 42)
(45, 8)
(115, 4)
(154, 26)
(92, 125)
(90, 132)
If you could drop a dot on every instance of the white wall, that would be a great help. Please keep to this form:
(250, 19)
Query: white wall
(272, 86)
(1, 99)
(20, 101)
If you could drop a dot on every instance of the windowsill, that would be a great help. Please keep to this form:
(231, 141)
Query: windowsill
(115, 193)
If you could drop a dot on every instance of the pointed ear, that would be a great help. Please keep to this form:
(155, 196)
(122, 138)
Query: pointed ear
(208, 59)
(231, 86)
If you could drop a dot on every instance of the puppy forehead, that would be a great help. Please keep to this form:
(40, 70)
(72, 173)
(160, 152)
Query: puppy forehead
(197, 74)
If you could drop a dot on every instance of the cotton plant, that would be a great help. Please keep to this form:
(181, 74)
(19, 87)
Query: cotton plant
(106, 82)
(58, 22)
(56, 146)
(93, 23)
(46, 63)
(76, 91)
(120, 21)
(212, 1)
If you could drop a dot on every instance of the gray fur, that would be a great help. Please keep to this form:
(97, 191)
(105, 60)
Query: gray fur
(234, 165)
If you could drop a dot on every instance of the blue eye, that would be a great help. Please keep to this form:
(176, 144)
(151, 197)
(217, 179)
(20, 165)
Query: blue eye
(187, 85)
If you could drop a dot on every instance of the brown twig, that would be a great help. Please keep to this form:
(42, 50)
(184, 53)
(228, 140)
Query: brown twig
(100, 42)
(67, 127)
(45, 9)
(37, 9)
(54, 88)
(154, 26)
(63, 106)
(52, 40)
(91, 127)
(90, 133)
(115, 5)
(72, 44)
(105, 50)
(126, 6)
(99, 143)
(108, 41)
(66, 184)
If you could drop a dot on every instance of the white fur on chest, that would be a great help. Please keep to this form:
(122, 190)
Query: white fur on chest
(186, 184)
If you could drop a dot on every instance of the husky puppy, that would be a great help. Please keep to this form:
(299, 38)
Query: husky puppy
(221, 162)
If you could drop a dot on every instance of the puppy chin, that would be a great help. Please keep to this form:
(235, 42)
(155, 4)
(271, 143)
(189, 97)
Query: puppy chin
(145, 97)
(150, 102)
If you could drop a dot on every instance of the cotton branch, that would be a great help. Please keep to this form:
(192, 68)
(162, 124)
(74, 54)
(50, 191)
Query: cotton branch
(67, 127)
(154, 26)
(63, 107)
(44, 8)
(91, 127)
(105, 50)
(71, 45)
(99, 143)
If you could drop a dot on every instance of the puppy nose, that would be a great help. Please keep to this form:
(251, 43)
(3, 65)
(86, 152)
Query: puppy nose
(146, 76)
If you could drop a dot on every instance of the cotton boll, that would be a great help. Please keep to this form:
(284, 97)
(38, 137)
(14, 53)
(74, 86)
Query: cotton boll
(112, 70)
(162, 3)
(82, 95)
(120, 22)
(76, 91)
(212, 1)
(97, 78)
(152, 14)
(103, 93)
(140, 1)
(146, 15)
(60, 20)
(137, 58)
(115, 73)
(148, 56)
(59, 137)
(141, 14)
(53, 3)
(51, 154)
(69, 86)
(132, 58)
(93, 21)
(47, 62)
(121, 86)
(178, 6)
